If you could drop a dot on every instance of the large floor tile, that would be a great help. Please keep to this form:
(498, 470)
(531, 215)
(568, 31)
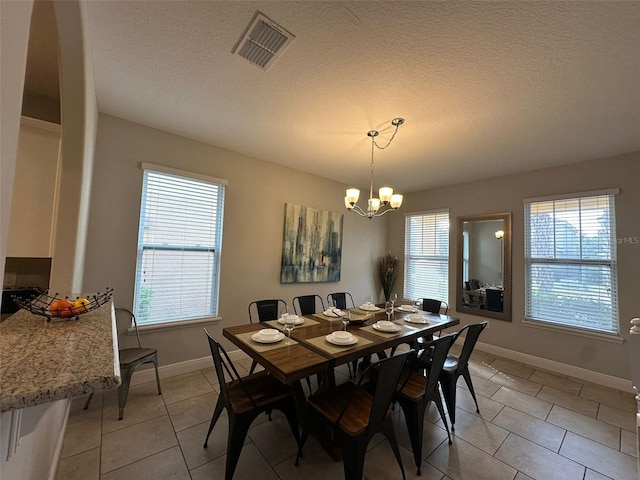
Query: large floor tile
(556, 381)
(609, 396)
(532, 428)
(192, 440)
(588, 427)
(463, 461)
(380, 464)
(481, 433)
(537, 461)
(274, 439)
(568, 401)
(509, 367)
(628, 443)
(482, 370)
(251, 466)
(165, 465)
(615, 416)
(77, 413)
(181, 387)
(591, 475)
(488, 408)
(82, 436)
(432, 435)
(599, 458)
(83, 466)
(481, 386)
(516, 383)
(316, 464)
(193, 410)
(522, 476)
(143, 404)
(522, 402)
(134, 443)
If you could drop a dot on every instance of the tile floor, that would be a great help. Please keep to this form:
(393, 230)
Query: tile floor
(532, 424)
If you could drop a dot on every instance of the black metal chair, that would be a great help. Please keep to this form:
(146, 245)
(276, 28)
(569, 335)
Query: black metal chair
(454, 367)
(355, 415)
(267, 309)
(434, 306)
(245, 398)
(415, 391)
(494, 300)
(130, 359)
(307, 304)
(340, 300)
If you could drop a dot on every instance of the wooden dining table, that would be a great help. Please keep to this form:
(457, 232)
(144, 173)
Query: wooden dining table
(309, 352)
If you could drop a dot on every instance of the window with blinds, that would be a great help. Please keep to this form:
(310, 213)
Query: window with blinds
(179, 241)
(570, 263)
(426, 256)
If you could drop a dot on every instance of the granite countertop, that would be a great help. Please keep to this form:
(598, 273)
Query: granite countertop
(44, 361)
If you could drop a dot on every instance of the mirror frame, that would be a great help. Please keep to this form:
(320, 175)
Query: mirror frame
(506, 267)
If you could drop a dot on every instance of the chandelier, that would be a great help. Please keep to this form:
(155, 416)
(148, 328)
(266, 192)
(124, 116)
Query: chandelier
(386, 200)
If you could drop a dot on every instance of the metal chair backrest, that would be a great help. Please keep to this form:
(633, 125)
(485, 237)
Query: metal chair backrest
(306, 304)
(340, 300)
(268, 309)
(434, 306)
(225, 371)
(439, 350)
(388, 374)
(134, 323)
(494, 300)
(473, 331)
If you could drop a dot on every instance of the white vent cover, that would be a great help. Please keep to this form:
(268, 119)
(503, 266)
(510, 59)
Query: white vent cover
(263, 41)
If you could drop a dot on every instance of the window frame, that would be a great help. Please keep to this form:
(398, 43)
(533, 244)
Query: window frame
(568, 262)
(443, 260)
(215, 248)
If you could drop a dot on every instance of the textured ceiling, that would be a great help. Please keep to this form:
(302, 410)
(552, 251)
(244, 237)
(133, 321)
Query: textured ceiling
(486, 88)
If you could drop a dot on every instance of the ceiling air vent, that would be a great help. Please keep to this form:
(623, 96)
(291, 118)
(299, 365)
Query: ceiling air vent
(263, 41)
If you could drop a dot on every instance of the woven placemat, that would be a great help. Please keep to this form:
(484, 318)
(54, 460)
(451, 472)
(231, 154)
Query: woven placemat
(326, 317)
(307, 323)
(322, 343)
(262, 347)
(370, 329)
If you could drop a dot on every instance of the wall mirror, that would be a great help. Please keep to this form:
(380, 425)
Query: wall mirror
(484, 266)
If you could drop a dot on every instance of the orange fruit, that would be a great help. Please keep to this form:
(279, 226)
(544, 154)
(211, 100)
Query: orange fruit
(61, 308)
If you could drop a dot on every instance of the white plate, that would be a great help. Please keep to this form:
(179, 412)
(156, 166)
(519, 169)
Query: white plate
(332, 339)
(256, 337)
(395, 329)
(405, 308)
(370, 308)
(299, 320)
(331, 313)
(417, 320)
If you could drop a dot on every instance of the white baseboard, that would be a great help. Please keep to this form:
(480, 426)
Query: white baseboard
(148, 375)
(557, 367)
(166, 371)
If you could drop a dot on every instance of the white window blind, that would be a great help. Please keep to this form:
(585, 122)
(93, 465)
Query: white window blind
(426, 256)
(179, 241)
(570, 263)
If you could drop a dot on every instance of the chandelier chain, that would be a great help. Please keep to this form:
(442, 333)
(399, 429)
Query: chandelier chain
(373, 138)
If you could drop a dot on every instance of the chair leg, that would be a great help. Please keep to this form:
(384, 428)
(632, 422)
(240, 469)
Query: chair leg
(238, 428)
(443, 416)
(214, 418)
(123, 390)
(414, 416)
(448, 384)
(86, 404)
(467, 378)
(254, 364)
(353, 452)
(289, 410)
(155, 364)
(389, 432)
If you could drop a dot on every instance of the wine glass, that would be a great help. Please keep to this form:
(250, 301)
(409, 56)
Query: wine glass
(289, 324)
(388, 307)
(368, 300)
(345, 316)
(393, 298)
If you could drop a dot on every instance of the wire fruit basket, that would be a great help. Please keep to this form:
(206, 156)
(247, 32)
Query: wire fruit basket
(65, 308)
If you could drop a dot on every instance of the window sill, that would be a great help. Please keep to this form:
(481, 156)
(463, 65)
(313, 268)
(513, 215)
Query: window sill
(159, 327)
(612, 338)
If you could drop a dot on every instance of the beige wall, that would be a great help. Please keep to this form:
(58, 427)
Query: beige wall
(253, 226)
(34, 190)
(506, 194)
